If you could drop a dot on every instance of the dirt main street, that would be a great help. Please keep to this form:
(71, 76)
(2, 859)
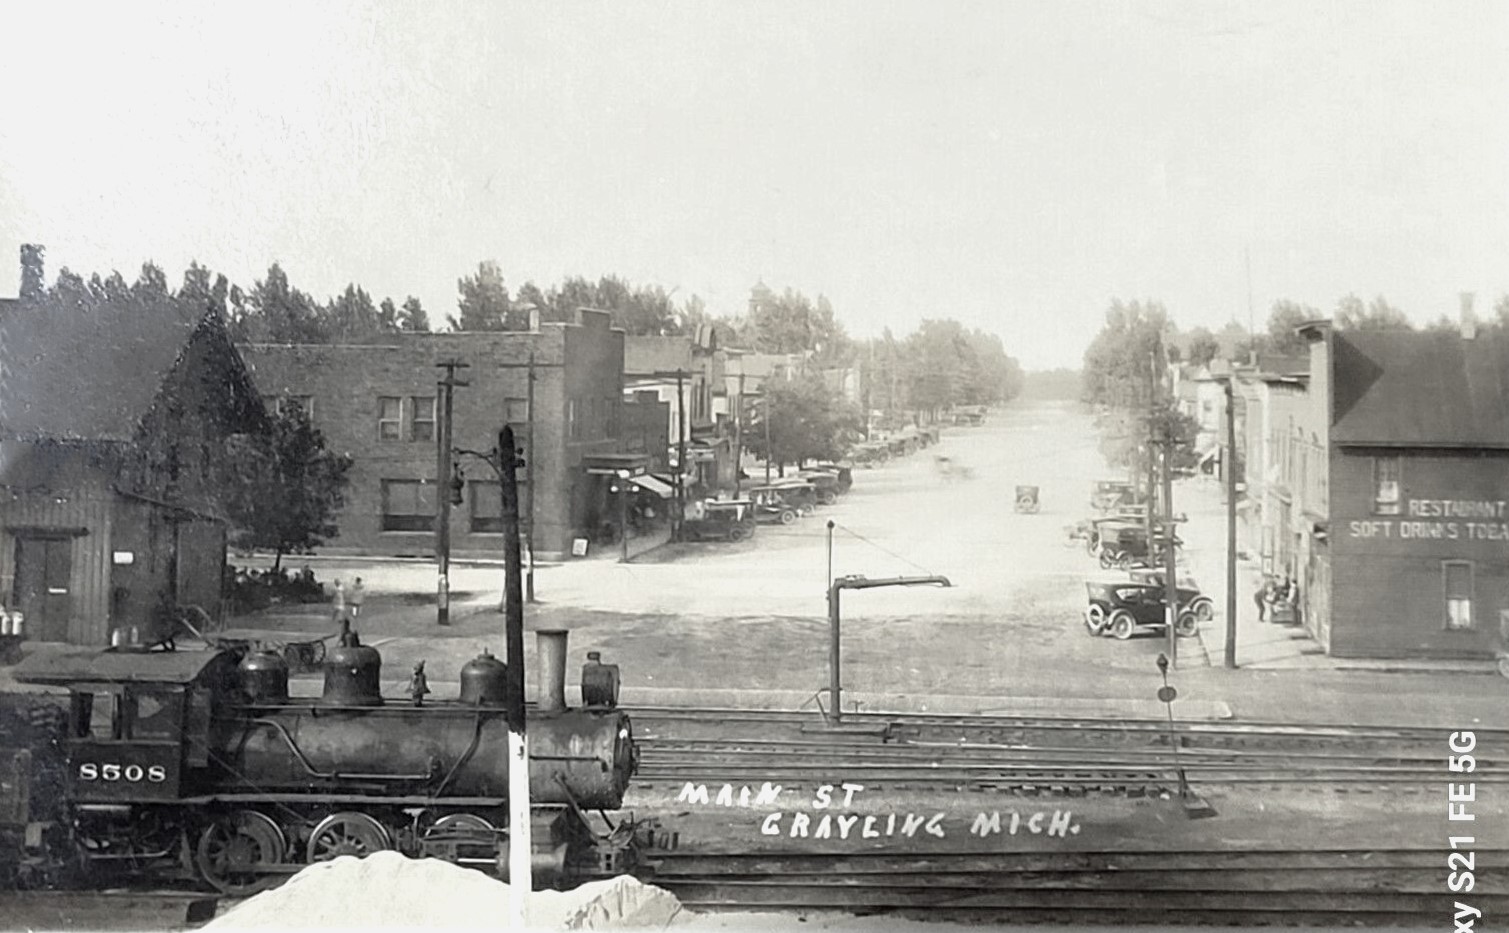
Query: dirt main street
(752, 616)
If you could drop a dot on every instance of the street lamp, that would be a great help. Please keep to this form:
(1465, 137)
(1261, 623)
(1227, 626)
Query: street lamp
(621, 488)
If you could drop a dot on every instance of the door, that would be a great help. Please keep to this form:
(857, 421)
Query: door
(42, 586)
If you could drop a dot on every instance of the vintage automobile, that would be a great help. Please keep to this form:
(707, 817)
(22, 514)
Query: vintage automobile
(771, 505)
(1125, 546)
(1201, 605)
(844, 473)
(827, 485)
(1120, 607)
(801, 494)
(1112, 494)
(870, 453)
(719, 520)
(1027, 499)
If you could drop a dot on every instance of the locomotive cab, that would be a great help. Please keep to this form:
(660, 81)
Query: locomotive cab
(138, 722)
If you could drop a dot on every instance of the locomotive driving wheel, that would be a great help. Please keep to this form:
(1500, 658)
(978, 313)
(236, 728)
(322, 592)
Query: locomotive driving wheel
(235, 850)
(347, 834)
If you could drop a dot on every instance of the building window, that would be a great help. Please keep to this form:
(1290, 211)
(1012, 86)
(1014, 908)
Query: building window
(422, 423)
(408, 505)
(486, 506)
(516, 410)
(1456, 579)
(275, 403)
(1386, 485)
(389, 418)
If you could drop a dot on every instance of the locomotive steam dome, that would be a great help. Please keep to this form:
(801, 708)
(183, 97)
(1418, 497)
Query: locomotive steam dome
(484, 680)
(264, 677)
(352, 674)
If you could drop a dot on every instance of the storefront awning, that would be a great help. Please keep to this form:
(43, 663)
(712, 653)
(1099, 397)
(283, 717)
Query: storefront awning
(651, 484)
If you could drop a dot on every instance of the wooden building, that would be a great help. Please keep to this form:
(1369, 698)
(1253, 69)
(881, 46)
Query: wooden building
(1411, 558)
(113, 426)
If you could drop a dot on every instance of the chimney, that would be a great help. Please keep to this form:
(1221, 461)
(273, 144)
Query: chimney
(1469, 320)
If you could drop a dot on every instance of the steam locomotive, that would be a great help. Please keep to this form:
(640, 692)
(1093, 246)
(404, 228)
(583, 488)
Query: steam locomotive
(200, 764)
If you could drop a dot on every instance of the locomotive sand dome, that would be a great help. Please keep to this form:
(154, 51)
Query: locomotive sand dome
(202, 758)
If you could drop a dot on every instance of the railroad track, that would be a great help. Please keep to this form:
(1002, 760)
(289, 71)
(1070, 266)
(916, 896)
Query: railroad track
(1034, 754)
(1351, 887)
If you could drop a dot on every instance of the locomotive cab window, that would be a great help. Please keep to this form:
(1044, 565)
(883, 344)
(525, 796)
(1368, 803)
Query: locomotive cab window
(154, 714)
(97, 715)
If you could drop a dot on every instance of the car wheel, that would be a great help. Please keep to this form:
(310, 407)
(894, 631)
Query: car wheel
(787, 516)
(1107, 560)
(738, 533)
(1204, 610)
(1122, 625)
(1187, 625)
(1095, 619)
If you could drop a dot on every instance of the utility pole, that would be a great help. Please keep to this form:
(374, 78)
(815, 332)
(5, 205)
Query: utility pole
(1152, 451)
(529, 522)
(766, 421)
(520, 871)
(1170, 578)
(1228, 465)
(443, 468)
(680, 455)
(739, 439)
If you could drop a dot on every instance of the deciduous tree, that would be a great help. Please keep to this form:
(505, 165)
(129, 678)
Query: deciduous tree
(282, 490)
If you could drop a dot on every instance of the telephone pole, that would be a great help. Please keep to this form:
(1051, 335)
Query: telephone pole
(520, 871)
(529, 520)
(443, 468)
(680, 455)
(739, 440)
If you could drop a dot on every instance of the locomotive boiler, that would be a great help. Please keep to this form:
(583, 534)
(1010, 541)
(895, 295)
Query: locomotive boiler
(205, 758)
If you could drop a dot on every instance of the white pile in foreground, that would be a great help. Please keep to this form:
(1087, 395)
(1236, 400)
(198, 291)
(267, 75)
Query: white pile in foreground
(385, 890)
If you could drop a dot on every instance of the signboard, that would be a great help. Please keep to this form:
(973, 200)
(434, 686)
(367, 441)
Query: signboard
(1439, 520)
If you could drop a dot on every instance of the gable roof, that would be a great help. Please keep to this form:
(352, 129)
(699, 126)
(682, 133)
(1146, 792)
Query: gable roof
(86, 376)
(1410, 389)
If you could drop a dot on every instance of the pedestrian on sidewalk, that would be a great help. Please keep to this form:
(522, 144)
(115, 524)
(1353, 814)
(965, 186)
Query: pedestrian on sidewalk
(338, 602)
(356, 597)
(1263, 597)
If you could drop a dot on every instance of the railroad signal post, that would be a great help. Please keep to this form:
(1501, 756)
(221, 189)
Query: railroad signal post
(835, 685)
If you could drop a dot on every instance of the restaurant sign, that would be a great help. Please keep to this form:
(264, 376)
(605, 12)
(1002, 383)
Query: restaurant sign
(1440, 519)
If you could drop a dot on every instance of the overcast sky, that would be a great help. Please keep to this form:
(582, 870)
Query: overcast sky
(1012, 165)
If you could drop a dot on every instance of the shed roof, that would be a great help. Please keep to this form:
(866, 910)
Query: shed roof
(1412, 389)
(86, 376)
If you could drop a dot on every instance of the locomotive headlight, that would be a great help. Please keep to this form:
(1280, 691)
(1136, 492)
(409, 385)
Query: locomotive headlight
(623, 734)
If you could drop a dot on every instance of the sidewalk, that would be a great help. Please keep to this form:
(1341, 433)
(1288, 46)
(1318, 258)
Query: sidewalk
(1262, 645)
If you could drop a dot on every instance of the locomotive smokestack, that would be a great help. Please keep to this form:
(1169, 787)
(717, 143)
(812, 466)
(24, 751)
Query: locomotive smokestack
(552, 652)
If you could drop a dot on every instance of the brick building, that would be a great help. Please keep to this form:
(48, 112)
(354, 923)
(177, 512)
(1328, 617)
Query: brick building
(378, 403)
(113, 430)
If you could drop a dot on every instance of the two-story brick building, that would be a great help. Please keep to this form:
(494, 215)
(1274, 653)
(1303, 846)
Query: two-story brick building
(559, 385)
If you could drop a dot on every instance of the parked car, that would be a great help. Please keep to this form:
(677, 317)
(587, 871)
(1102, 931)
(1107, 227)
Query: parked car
(844, 473)
(771, 505)
(1127, 546)
(828, 489)
(801, 494)
(1120, 607)
(870, 453)
(1111, 494)
(719, 520)
(1201, 605)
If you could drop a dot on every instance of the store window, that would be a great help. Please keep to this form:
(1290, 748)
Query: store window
(1386, 486)
(408, 505)
(1457, 583)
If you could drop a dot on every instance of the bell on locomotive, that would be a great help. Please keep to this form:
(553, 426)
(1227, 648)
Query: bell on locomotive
(353, 672)
(484, 681)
